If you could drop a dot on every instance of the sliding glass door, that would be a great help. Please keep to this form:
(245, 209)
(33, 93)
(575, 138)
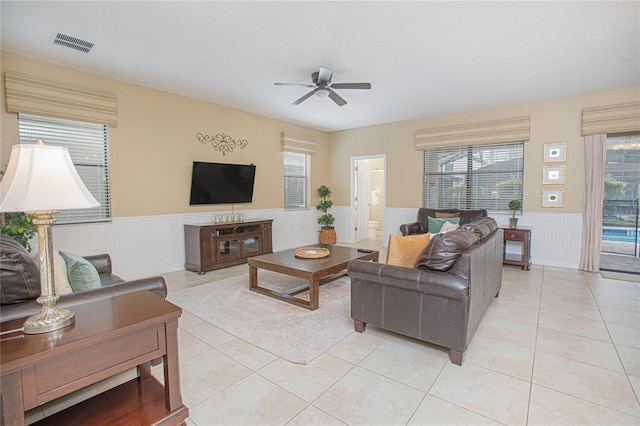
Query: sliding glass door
(620, 235)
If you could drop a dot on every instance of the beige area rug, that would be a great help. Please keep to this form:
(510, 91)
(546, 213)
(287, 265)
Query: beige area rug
(620, 276)
(287, 331)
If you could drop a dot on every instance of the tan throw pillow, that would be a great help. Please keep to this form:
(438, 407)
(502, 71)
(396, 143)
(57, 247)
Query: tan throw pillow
(60, 279)
(446, 215)
(404, 251)
(448, 227)
(60, 275)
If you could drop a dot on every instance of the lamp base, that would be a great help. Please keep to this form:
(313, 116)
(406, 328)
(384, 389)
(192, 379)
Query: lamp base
(48, 319)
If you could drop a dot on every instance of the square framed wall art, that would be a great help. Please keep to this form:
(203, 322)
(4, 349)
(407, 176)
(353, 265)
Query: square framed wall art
(554, 152)
(553, 198)
(553, 175)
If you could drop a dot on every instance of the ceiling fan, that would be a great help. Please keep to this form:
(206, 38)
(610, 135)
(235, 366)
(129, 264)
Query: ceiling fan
(322, 87)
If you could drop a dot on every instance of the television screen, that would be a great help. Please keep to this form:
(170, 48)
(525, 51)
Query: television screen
(219, 183)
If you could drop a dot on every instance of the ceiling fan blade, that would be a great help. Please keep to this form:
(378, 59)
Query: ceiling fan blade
(305, 97)
(324, 75)
(336, 98)
(294, 84)
(351, 86)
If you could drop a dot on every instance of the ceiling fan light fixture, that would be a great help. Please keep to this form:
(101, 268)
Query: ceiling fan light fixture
(322, 93)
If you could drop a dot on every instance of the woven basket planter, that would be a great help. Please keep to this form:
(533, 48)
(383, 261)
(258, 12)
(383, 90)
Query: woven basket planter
(328, 235)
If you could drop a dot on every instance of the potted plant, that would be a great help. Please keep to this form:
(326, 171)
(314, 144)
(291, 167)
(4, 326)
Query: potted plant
(327, 232)
(514, 205)
(18, 226)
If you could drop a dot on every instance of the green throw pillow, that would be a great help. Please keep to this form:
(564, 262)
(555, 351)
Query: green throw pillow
(82, 274)
(436, 224)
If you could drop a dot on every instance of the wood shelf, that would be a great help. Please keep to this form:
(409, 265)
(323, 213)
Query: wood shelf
(136, 402)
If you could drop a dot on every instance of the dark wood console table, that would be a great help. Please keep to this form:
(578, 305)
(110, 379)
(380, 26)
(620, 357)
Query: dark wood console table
(521, 237)
(109, 336)
(215, 246)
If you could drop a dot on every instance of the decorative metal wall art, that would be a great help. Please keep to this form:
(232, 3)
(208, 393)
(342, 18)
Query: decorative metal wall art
(221, 142)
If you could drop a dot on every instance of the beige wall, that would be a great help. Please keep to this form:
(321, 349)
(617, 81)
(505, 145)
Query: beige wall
(154, 144)
(555, 120)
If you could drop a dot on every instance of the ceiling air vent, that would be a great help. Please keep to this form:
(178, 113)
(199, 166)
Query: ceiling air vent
(72, 42)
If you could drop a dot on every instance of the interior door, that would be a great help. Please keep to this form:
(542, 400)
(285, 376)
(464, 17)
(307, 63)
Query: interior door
(362, 199)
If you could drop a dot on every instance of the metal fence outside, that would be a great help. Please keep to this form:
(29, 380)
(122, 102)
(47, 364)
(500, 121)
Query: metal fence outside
(620, 227)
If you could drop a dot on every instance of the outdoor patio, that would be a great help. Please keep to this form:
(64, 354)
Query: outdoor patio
(619, 257)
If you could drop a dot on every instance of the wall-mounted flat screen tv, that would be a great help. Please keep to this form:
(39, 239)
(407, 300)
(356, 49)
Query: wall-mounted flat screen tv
(219, 183)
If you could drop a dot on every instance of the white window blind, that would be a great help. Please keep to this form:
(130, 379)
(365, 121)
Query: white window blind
(473, 177)
(88, 145)
(296, 180)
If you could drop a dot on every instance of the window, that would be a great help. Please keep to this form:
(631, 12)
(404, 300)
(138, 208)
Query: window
(296, 181)
(473, 177)
(88, 147)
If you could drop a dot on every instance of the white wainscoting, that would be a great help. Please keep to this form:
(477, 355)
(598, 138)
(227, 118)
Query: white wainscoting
(151, 245)
(555, 238)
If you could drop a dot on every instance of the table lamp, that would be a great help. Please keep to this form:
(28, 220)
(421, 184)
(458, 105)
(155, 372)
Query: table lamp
(41, 180)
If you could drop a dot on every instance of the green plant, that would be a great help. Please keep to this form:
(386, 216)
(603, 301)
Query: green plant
(18, 226)
(514, 205)
(613, 188)
(508, 188)
(326, 219)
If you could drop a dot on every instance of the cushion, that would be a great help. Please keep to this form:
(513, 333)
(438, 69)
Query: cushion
(19, 273)
(404, 251)
(482, 227)
(60, 275)
(448, 227)
(443, 215)
(444, 249)
(425, 213)
(467, 216)
(60, 279)
(435, 224)
(81, 273)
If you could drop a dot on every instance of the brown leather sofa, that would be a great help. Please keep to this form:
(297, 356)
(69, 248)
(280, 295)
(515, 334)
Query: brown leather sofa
(443, 299)
(17, 268)
(421, 225)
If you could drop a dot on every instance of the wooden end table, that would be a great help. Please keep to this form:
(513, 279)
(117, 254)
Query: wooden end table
(522, 237)
(109, 336)
(317, 271)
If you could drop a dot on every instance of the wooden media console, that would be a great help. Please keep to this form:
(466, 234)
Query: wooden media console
(215, 246)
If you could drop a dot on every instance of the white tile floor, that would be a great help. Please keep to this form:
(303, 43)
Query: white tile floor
(559, 346)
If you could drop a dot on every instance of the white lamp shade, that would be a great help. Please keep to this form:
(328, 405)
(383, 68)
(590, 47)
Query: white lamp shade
(42, 177)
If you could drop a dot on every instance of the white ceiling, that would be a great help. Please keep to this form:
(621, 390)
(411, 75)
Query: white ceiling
(422, 58)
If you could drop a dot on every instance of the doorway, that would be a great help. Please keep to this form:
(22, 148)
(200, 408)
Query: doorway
(368, 201)
(620, 236)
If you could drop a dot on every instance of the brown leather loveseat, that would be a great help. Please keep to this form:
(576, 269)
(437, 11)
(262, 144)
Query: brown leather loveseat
(20, 282)
(443, 299)
(421, 225)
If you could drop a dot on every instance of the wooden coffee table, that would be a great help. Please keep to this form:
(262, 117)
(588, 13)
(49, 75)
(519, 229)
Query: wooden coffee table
(317, 271)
